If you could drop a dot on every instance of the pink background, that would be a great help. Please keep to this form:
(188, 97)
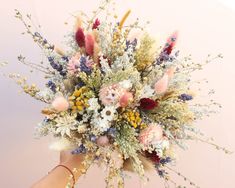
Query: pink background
(205, 27)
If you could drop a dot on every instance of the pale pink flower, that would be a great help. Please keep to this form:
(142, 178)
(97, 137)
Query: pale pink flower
(170, 72)
(60, 104)
(102, 141)
(125, 99)
(162, 84)
(110, 95)
(150, 135)
(73, 64)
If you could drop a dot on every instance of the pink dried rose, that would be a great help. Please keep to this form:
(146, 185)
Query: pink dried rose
(162, 84)
(102, 141)
(150, 135)
(60, 104)
(125, 99)
(110, 95)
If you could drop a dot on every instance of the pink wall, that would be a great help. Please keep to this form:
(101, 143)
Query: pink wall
(205, 27)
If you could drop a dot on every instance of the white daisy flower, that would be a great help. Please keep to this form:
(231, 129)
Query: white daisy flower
(108, 113)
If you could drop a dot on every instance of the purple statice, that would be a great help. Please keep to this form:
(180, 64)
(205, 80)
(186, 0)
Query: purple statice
(80, 84)
(185, 97)
(93, 138)
(57, 66)
(65, 58)
(83, 65)
(131, 44)
(51, 85)
(79, 150)
(112, 132)
(38, 37)
(166, 160)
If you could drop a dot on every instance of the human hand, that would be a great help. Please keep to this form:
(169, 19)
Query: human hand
(72, 161)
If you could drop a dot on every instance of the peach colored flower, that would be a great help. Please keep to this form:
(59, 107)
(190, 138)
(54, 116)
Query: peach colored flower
(170, 72)
(151, 134)
(102, 141)
(162, 84)
(60, 104)
(125, 99)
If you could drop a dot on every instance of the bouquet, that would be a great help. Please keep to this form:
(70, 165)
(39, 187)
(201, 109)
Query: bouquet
(117, 95)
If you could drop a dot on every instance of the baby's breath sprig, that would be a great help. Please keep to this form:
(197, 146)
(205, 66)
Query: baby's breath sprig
(181, 175)
(35, 66)
(37, 37)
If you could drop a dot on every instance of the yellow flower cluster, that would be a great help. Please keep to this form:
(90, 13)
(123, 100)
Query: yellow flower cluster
(78, 101)
(134, 119)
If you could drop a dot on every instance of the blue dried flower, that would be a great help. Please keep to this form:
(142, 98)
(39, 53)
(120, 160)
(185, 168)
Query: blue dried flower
(112, 132)
(51, 85)
(83, 66)
(93, 138)
(79, 150)
(185, 97)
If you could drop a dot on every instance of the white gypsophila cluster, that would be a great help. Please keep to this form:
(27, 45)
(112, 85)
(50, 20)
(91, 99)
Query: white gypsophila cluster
(147, 92)
(64, 124)
(99, 123)
(161, 146)
(104, 64)
(71, 43)
(105, 37)
(124, 62)
(126, 84)
(93, 105)
(46, 94)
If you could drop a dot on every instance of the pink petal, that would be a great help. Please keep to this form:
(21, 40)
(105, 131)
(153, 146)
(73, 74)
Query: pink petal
(60, 104)
(102, 141)
(89, 44)
(170, 72)
(162, 84)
